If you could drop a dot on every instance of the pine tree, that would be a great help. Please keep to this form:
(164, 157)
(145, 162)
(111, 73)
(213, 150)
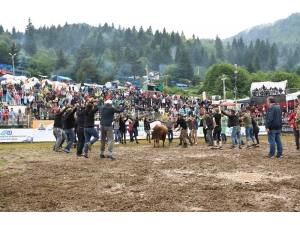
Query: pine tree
(185, 65)
(257, 64)
(272, 61)
(157, 37)
(29, 43)
(149, 31)
(62, 61)
(14, 33)
(5, 58)
(82, 53)
(1, 30)
(219, 48)
(14, 50)
(141, 33)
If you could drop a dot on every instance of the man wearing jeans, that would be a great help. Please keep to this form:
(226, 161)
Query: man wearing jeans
(248, 128)
(69, 122)
(58, 132)
(107, 116)
(273, 127)
(233, 120)
(89, 130)
(170, 125)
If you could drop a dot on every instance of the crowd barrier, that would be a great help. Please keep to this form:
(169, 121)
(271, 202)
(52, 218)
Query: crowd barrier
(42, 131)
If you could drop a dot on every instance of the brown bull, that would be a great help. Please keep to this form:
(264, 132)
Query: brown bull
(159, 133)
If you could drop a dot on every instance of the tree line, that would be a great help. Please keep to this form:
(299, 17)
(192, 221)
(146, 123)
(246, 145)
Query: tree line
(81, 51)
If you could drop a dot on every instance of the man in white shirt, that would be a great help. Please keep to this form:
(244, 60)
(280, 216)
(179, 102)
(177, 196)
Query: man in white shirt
(30, 98)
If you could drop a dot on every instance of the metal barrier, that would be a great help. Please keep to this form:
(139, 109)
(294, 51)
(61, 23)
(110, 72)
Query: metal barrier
(13, 123)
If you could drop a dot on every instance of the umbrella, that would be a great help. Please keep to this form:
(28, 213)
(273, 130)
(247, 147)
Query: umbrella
(227, 104)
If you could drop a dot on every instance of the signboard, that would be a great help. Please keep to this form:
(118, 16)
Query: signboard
(43, 130)
(287, 129)
(16, 135)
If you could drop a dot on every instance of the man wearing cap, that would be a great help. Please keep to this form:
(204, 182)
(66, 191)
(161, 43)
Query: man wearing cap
(107, 117)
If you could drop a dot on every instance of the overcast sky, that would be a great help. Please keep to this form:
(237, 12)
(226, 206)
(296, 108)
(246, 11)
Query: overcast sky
(205, 19)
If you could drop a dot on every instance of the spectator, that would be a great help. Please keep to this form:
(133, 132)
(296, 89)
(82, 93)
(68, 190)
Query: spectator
(273, 127)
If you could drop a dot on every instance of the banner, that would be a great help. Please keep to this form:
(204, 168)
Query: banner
(287, 129)
(43, 130)
(16, 135)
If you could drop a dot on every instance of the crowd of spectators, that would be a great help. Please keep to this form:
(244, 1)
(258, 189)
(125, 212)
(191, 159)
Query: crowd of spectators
(264, 91)
(42, 100)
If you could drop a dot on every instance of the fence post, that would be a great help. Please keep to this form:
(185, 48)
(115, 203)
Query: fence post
(28, 121)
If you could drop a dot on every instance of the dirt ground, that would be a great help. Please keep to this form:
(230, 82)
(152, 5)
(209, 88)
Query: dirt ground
(34, 178)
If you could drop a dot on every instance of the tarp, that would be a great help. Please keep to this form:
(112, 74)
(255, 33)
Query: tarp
(292, 96)
(136, 83)
(181, 85)
(268, 84)
(61, 78)
(244, 100)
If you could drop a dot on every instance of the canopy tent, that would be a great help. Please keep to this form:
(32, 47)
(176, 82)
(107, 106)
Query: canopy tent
(227, 103)
(8, 76)
(293, 96)
(244, 100)
(268, 84)
(61, 78)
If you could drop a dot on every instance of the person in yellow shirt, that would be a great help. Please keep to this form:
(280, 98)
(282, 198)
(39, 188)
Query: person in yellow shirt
(40, 96)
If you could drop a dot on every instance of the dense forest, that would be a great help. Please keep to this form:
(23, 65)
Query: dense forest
(81, 51)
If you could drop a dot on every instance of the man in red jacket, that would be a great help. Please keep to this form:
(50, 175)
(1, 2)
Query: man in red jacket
(292, 123)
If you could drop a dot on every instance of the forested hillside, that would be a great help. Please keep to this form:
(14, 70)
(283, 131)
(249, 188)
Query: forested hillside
(284, 32)
(102, 53)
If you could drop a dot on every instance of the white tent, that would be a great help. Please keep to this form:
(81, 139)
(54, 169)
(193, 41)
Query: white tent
(293, 96)
(269, 84)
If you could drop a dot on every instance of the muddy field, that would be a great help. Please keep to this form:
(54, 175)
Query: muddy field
(143, 178)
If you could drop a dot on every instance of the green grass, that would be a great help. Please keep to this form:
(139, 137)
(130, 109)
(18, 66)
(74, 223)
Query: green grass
(119, 181)
(97, 171)
(2, 161)
(52, 184)
(15, 174)
(78, 176)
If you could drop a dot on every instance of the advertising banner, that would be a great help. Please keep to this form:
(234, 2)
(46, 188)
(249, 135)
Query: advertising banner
(16, 135)
(43, 130)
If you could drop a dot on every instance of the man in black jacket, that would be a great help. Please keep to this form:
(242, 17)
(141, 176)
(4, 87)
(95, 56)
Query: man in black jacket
(183, 129)
(209, 128)
(69, 127)
(89, 127)
(80, 129)
(273, 127)
(58, 132)
(234, 122)
(122, 129)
